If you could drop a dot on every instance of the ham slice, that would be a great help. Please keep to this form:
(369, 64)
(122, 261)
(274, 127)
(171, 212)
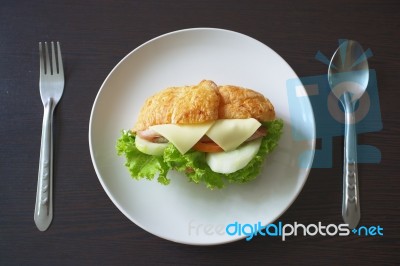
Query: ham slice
(152, 136)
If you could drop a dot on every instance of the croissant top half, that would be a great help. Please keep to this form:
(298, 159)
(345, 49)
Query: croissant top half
(202, 103)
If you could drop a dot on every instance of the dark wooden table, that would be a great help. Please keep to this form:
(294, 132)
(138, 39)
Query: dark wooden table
(87, 228)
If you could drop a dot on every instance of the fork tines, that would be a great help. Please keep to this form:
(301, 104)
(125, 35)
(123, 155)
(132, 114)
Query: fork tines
(55, 65)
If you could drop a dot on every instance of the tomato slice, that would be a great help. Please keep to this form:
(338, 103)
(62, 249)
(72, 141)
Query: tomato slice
(207, 147)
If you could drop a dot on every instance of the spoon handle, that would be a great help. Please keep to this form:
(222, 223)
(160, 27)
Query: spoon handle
(351, 200)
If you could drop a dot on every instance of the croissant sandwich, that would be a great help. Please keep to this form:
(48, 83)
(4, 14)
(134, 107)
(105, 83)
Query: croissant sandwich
(213, 134)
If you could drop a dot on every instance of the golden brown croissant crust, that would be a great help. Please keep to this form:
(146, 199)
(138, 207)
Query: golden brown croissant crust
(203, 103)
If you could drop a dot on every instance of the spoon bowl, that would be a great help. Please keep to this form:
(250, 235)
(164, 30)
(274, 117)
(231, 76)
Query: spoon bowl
(349, 64)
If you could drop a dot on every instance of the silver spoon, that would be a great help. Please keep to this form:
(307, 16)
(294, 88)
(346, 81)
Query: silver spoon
(348, 77)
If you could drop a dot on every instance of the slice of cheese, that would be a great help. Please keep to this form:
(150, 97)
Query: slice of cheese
(184, 137)
(230, 133)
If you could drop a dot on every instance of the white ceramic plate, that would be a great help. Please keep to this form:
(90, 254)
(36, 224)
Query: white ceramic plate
(185, 212)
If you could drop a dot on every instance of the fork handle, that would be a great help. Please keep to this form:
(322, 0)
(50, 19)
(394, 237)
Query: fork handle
(351, 200)
(44, 194)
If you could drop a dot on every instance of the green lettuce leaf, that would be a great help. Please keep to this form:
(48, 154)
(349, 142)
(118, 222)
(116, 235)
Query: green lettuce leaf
(193, 163)
(141, 165)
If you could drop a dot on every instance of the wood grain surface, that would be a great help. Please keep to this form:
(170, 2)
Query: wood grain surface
(87, 228)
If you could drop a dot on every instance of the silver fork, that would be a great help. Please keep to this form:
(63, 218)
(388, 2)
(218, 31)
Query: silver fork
(51, 84)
